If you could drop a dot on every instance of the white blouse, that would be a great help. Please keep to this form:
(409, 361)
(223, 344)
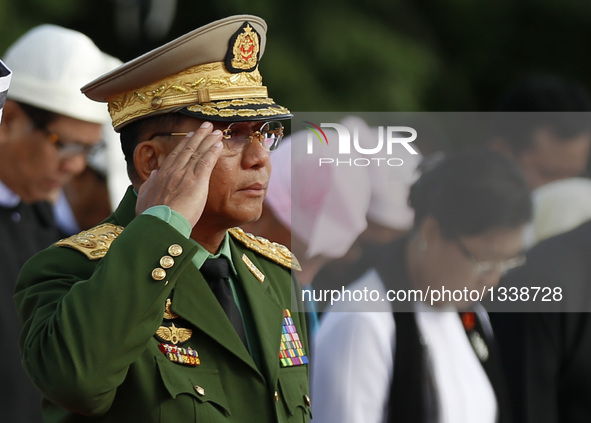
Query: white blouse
(353, 364)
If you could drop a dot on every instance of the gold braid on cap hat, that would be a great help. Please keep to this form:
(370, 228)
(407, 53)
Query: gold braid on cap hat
(196, 85)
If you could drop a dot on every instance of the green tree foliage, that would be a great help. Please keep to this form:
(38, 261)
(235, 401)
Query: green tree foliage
(377, 55)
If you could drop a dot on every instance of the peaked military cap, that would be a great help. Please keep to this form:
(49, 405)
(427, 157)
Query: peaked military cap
(5, 76)
(210, 73)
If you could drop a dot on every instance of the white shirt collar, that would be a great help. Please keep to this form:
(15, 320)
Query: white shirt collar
(7, 197)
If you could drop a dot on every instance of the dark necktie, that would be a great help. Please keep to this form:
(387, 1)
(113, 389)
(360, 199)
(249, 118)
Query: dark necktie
(216, 272)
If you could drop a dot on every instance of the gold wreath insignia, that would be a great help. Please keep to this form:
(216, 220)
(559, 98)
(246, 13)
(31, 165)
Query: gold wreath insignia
(173, 334)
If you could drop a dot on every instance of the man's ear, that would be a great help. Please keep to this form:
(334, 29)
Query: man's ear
(430, 230)
(10, 116)
(148, 156)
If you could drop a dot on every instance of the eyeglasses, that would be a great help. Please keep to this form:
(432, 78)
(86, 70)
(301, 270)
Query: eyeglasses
(484, 267)
(240, 134)
(67, 150)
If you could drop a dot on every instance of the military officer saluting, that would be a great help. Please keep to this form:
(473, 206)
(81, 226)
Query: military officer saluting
(166, 312)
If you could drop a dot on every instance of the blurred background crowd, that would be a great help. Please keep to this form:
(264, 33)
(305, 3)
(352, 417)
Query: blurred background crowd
(377, 56)
(384, 56)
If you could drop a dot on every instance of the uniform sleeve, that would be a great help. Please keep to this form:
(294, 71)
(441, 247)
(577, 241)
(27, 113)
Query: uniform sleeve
(172, 217)
(85, 321)
(352, 367)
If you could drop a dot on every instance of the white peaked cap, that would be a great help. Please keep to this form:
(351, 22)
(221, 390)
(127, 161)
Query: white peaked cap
(50, 64)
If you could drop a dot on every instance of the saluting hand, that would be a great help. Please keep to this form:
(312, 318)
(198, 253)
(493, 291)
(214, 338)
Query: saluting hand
(182, 182)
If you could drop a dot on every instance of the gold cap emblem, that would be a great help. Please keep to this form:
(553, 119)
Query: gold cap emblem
(244, 55)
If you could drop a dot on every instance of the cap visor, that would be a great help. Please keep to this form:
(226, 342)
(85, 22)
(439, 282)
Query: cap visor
(238, 110)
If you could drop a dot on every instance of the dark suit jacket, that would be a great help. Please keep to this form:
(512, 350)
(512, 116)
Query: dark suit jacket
(88, 340)
(24, 231)
(547, 355)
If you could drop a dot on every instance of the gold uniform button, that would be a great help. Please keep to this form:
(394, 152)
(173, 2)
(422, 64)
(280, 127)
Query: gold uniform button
(158, 274)
(199, 390)
(166, 262)
(175, 250)
(276, 396)
(307, 400)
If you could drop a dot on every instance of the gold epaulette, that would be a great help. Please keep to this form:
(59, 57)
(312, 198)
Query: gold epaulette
(276, 252)
(95, 242)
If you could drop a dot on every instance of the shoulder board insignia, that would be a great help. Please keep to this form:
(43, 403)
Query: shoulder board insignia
(93, 243)
(276, 252)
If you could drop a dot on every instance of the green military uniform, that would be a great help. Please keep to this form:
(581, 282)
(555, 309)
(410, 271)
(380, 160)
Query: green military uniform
(91, 314)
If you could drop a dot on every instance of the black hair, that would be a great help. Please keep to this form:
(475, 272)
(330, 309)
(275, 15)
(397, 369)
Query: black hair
(471, 192)
(543, 96)
(545, 93)
(40, 117)
(135, 132)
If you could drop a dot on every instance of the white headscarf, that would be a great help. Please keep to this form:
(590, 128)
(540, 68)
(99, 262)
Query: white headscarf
(558, 207)
(325, 206)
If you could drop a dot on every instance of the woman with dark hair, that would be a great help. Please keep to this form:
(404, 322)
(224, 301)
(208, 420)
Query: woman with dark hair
(394, 359)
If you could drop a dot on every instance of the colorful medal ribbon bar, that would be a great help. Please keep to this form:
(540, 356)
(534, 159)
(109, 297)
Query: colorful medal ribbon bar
(292, 351)
(186, 356)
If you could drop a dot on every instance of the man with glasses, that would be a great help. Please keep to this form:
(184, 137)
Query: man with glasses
(166, 311)
(528, 127)
(546, 352)
(48, 128)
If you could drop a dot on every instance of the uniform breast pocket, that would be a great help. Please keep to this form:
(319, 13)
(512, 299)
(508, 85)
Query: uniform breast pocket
(192, 394)
(295, 394)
